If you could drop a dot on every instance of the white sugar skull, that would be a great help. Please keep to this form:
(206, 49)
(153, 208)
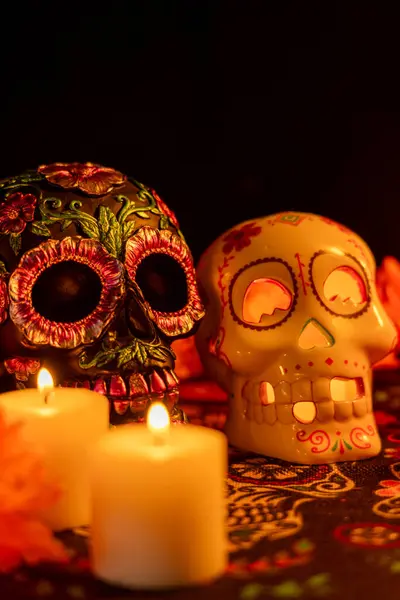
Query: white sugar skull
(292, 327)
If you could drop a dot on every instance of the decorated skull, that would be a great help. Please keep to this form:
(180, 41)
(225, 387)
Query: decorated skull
(292, 327)
(96, 283)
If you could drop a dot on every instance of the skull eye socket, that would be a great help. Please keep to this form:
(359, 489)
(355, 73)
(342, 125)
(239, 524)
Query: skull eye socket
(161, 265)
(263, 297)
(66, 292)
(340, 283)
(345, 285)
(263, 293)
(163, 283)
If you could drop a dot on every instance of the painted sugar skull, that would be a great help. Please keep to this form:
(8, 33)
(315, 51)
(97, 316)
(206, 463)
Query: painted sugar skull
(292, 327)
(96, 282)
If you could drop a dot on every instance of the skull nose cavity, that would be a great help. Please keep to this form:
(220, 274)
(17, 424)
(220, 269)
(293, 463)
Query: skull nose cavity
(314, 335)
(267, 393)
(344, 390)
(304, 412)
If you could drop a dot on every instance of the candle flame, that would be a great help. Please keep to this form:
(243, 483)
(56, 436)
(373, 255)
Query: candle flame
(158, 418)
(44, 380)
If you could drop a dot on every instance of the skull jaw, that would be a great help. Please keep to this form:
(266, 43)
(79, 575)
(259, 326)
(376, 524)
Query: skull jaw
(315, 443)
(123, 412)
(131, 393)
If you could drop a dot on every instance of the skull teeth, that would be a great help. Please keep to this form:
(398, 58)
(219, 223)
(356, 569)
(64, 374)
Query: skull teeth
(137, 386)
(305, 401)
(117, 387)
(338, 389)
(304, 412)
(130, 387)
(100, 386)
(157, 385)
(171, 379)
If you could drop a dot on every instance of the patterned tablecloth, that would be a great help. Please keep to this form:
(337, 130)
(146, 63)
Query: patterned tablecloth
(328, 531)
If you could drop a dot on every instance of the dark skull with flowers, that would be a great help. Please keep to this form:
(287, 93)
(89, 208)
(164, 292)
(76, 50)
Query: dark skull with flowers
(96, 282)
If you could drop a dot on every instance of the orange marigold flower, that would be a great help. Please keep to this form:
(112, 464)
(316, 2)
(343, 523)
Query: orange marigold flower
(388, 285)
(25, 491)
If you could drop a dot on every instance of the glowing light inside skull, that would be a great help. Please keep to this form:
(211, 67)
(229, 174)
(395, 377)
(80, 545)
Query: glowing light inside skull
(345, 284)
(345, 390)
(304, 412)
(264, 297)
(267, 393)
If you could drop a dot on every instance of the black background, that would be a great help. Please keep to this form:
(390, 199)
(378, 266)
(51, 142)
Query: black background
(231, 110)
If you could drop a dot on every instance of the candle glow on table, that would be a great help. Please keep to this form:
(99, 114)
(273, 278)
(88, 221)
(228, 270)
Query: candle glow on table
(62, 424)
(159, 504)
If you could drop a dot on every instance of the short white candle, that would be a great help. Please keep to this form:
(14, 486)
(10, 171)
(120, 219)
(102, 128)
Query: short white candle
(159, 504)
(62, 424)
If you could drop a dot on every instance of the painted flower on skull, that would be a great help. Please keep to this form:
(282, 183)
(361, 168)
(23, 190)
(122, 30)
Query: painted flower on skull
(3, 300)
(240, 238)
(89, 178)
(17, 210)
(22, 367)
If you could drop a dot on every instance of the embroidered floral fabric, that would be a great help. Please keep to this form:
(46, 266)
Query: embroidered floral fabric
(323, 531)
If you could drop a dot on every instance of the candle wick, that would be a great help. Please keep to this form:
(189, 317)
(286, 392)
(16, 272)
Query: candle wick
(46, 397)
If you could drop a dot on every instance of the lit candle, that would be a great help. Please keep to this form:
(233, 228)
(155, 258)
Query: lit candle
(158, 504)
(61, 423)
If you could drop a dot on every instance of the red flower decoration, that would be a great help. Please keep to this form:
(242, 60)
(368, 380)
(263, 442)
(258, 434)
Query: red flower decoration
(17, 210)
(240, 238)
(164, 209)
(3, 300)
(388, 286)
(148, 241)
(91, 179)
(25, 492)
(392, 488)
(22, 367)
(40, 330)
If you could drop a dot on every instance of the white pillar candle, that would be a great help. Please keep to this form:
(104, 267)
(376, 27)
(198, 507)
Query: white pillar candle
(62, 424)
(159, 504)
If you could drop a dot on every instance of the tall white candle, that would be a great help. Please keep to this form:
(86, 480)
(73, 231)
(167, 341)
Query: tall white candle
(62, 424)
(159, 508)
